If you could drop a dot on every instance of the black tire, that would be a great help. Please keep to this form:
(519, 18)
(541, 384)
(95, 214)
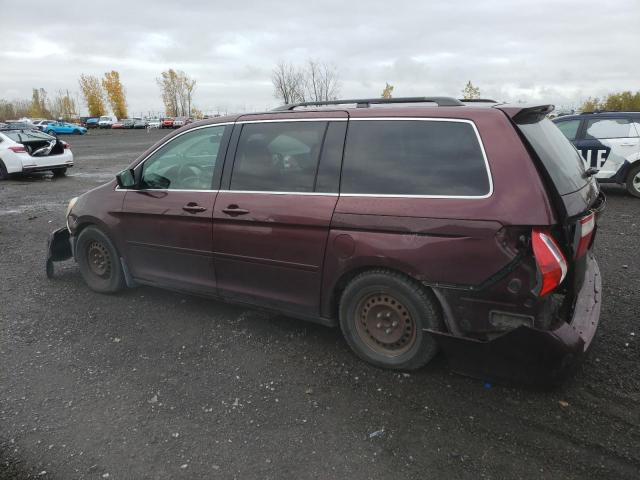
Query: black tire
(99, 261)
(76, 132)
(382, 317)
(3, 171)
(633, 181)
(59, 172)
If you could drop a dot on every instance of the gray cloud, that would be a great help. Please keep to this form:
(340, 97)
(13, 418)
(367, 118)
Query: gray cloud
(551, 51)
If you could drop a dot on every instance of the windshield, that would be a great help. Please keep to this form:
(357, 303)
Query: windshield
(560, 158)
(26, 135)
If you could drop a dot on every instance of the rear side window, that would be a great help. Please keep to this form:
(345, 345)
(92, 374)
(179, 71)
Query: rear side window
(560, 158)
(598, 128)
(414, 157)
(278, 157)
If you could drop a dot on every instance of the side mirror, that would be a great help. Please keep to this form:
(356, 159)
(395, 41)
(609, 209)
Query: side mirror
(126, 179)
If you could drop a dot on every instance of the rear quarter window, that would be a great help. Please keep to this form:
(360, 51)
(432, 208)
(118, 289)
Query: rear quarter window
(414, 157)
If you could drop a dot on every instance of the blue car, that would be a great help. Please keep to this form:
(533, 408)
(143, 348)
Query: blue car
(55, 128)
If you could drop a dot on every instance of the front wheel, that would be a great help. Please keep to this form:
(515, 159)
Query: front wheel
(99, 261)
(383, 316)
(633, 181)
(3, 171)
(76, 132)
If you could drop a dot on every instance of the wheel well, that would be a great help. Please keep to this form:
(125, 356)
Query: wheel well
(344, 280)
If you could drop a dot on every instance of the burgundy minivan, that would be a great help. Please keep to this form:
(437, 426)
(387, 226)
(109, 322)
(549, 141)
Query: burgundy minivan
(431, 224)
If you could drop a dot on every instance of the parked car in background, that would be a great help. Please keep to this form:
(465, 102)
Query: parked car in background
(26, 151)
(154, 123)
(57, 128)
(42, 124)
(465, 228)
(139, 123)
(181, 122)
(106, 121)
(124, 123)
(609, 143)
(167, 123)
(91, 122)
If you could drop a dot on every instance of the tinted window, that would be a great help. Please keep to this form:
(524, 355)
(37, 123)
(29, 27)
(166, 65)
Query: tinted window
(609, 128)
(278, 157)
(569, 128)
(561, 160)
(185, 163)
(409, 157)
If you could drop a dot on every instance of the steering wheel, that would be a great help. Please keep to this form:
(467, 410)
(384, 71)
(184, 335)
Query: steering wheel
(190, 175)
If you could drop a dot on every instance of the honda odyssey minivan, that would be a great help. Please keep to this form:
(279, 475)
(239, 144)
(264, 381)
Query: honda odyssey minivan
(413, 227)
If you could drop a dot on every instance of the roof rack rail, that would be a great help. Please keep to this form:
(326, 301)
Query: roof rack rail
(367, 102)
(478, 100)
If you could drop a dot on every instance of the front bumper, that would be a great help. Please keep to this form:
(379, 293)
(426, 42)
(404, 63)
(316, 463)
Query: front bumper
(59, 248)
(527, 355)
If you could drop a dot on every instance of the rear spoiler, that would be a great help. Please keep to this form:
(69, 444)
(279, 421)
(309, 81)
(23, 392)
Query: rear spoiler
(526, 114)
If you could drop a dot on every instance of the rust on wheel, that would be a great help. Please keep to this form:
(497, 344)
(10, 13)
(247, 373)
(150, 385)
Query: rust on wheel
(99, 259)
(385, 325)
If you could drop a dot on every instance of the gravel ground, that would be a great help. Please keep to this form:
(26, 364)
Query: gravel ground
(152, 385)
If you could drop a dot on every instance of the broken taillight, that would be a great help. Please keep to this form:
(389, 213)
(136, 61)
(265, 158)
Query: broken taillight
(18, 149)
(551, 263)
(587, 227)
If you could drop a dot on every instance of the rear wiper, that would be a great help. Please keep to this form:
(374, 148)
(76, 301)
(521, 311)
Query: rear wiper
(590, 172)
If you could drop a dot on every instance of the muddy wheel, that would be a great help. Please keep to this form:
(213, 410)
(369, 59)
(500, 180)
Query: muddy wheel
(59, 172)
(3, 171)
(633, 181)
(383, 315)
(99, 261)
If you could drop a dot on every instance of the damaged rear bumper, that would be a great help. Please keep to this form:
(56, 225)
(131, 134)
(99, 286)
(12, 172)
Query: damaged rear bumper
(528, 355)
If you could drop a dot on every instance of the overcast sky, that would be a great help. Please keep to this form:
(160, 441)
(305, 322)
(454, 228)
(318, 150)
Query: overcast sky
(552, 51)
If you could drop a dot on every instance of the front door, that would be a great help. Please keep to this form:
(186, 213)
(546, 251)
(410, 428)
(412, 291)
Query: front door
(271, 223)
(167, 220)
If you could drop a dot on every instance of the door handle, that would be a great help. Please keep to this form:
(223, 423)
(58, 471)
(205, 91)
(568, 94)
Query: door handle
(192, 207)
(235, 210)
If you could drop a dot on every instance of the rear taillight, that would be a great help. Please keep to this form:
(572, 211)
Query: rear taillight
(550, 261)
(587, 228)
(18, 149)
(66, 145)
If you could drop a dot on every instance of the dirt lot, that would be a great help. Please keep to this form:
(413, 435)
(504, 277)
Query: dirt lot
(150, 384)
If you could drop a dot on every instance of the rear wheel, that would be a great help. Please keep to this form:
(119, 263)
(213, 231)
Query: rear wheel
(3, 171)
(633, 181)
(383, 315)
(99, 261)
(59, 172)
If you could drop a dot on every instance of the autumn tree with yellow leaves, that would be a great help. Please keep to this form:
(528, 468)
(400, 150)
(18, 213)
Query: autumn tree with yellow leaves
(388, 91)
(115, 93)
(38, 107)
(470, 92)
(93, 95)
(177, 92)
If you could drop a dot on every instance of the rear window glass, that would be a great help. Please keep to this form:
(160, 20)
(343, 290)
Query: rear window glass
(411, 157)
(559, 157)
(26, 135)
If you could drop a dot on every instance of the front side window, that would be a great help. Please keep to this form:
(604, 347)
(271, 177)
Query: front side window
(411, 157)
(599, 128)
(569, 128)
(278, 157)
(185, 163)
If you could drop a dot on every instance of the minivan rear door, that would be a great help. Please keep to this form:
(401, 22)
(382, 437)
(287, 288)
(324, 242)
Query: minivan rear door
(272, 215)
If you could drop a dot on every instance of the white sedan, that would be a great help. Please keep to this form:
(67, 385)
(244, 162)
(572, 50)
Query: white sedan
(25, 151)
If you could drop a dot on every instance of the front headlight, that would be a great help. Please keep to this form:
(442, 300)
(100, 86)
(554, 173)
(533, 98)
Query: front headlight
(72, 202)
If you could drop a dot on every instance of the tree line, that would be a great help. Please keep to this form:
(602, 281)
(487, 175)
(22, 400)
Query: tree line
(616, 102)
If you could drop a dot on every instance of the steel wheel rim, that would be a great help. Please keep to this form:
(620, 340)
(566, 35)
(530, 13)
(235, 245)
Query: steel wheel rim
(385, 325)
(636, 182)
(99, 259)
